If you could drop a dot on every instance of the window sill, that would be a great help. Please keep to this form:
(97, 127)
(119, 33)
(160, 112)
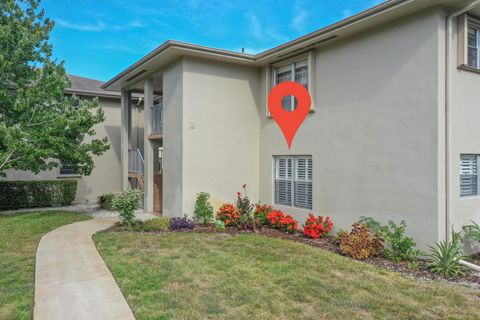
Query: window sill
(470, 197)
(468, 68)
(69, 176)
(269, 116)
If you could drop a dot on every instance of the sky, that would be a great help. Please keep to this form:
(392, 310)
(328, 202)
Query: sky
(100, 38)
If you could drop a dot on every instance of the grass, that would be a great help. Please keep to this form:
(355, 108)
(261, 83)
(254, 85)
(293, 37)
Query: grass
(214, 276)
(19, 238)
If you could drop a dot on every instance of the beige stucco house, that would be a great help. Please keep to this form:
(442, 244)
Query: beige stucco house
(106, 174)
(393, 132)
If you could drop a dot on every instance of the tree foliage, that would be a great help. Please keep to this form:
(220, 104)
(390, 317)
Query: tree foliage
(40, 127)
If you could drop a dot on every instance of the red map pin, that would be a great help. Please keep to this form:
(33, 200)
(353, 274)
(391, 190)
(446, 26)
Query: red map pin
(289, 121)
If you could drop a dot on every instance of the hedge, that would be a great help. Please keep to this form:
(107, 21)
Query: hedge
(38, 193)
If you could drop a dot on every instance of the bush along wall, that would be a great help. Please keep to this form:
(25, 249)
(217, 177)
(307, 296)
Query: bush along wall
(41, 193)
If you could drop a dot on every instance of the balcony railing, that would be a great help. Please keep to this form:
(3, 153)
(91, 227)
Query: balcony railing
(135, 162)
(157, 118)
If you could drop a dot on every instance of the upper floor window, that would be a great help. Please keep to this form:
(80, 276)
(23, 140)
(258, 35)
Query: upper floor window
(473, 46)
(296, 71)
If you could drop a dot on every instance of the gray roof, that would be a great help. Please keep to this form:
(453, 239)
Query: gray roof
(86, 86)
(84, 83)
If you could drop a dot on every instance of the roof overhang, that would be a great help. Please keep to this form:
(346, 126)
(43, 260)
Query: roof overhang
(172, 50)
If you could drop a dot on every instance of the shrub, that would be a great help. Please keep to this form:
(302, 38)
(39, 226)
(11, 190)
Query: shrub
(228, 214)
(182, 223)
(156, 224)
(398, 246)
(316, 227)
(105, 201)
(219, 225)
(203, 208)
(38, 193)
(126, 202)
(261, 212)
(361, 242)
(444, 257)
(278, 220)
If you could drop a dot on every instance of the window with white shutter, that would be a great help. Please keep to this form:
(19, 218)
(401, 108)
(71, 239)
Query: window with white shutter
(293, 181)
(469, 175)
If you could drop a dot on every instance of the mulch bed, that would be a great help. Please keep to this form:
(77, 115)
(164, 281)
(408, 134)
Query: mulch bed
(471, 278)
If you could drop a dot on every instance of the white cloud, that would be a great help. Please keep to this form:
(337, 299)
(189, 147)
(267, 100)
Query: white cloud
(255, 26)
(299, 18)
(99, 26)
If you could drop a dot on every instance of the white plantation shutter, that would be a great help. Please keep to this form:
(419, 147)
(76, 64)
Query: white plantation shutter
(303, 182)
(293, 181)
(468, 175)
(283, 180)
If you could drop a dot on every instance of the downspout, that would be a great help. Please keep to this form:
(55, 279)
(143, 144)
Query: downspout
(448, 80)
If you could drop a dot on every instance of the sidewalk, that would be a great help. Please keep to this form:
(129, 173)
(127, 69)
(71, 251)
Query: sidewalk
(72, 281)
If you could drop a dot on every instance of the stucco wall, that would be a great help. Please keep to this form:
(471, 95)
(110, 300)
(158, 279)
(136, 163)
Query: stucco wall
(106, 174)
(221, 131)
(464, 137)
(373, 137)
(173, 140)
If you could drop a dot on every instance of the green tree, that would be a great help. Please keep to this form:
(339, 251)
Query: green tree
(203, 208)
(40, 127)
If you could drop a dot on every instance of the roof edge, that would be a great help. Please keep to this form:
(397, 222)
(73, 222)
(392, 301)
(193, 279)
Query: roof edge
(378, 9)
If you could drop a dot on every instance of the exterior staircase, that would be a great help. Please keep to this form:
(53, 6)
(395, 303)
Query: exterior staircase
(136, 169)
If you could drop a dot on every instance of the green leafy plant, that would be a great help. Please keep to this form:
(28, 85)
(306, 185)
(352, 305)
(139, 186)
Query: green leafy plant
(361, 242)
(38, 193)
(398, 247)
(219, 225)
(126, 202)
(156, 224)
(445, 255)
(472, 231)
(40, 126)
(203, 208)
(105, 201)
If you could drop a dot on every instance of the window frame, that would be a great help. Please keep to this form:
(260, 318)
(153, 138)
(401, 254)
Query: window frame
(294, 180)
(477, 159)
(465, 22)
(476, 27)
(270, 75)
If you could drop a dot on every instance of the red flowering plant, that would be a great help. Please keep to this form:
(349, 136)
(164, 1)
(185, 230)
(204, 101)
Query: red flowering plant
(317, 227)
(279, 220)
(261, 212)
(228, 214)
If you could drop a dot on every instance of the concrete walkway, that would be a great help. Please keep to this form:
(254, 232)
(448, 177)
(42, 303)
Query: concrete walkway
(72, 281)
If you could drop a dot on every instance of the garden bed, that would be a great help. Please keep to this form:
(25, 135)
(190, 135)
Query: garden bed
(419, 271)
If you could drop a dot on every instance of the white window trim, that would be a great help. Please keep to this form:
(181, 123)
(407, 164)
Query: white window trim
(477, 156)
(294, 179)
(270, 76)
(466, 21)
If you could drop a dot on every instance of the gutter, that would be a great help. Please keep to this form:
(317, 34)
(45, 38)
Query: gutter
(448, 81)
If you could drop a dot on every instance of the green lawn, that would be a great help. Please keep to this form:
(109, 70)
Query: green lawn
(19, 237)
(214, 276)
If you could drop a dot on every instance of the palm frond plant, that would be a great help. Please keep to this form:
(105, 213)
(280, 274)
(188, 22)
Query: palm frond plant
(444, 256)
